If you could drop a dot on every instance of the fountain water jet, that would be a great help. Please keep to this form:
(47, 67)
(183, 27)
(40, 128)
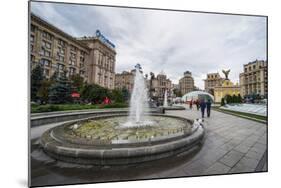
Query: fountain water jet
(138, 102)
(165, 99)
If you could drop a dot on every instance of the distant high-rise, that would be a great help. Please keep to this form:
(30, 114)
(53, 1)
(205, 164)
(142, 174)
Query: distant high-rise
(186, 83)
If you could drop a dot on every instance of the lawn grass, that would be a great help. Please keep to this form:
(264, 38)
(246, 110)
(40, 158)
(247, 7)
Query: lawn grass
(64, 107)
(242, 114)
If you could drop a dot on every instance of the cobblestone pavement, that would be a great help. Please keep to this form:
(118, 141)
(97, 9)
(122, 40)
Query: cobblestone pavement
(232, 145)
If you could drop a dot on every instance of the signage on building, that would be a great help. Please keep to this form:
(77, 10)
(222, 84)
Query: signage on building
(100, 36)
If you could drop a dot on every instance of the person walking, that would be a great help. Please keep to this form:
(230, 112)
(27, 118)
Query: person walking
(190, 104)
(208, 104)
(202, 107)
(197, 104)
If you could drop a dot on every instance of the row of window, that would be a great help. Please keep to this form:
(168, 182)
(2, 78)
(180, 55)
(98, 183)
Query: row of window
(105, 62)
(250, 68)
(46, 43)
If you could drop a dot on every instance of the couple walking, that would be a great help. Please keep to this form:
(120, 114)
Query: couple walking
(204, 105)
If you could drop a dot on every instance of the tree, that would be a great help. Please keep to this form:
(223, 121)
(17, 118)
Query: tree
(43, 92)
(60, 90)
(77, 82)
(36, 81)
(234, 99)
(94, 93)
(117, 95)
(222, 102)
(228, 99)
(126, 94)
(239, 98)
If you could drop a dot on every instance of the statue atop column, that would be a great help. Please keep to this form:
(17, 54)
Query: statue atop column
(226, 73)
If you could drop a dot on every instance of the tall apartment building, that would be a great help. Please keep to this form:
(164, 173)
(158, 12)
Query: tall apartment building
(56, 50)
(186, 83)
(212, 80)
(254, 79)
(125, 80)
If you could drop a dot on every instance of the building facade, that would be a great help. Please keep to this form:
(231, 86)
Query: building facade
(186, 83)
(212, 80)
(158, 85)
(57, 51)
(101, 62)
(125, 80)
(253, 80)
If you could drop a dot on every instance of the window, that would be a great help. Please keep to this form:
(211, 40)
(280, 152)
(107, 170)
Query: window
(32, 38)
(45, 62)
(71, 62)
(60, 67)
(32, 28)
(72, 59)
(31, 47)
(46, 44)
(82, 53)
(61, 42)
(47, 35)
(32, 59)
(60, 54)
(71, 71)
(245, 70)
(61, 51)
(60, 58)
(45, 53)
(72, 56)
(73, 48)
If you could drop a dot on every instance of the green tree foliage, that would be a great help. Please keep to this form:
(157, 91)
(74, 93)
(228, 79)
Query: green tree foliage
(60, 90)
(234, 99)
(229, 99)
(36, 81)
(117, 95)
(94, 93)
(126, 94)
(77, 83)
(222, 102)
(239, 98)
(43, 92)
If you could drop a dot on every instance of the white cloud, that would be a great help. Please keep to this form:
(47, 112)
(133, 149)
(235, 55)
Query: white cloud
(167, 40)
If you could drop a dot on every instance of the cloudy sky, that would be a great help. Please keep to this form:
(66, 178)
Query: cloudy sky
(167, 41)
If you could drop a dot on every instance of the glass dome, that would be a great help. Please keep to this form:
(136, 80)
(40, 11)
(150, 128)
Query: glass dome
(194, 95)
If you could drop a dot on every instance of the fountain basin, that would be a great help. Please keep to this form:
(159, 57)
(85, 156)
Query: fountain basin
(173, 107)
(104, 141)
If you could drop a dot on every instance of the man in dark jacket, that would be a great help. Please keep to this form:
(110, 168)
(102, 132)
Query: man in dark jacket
(208, 104)
(202, 107)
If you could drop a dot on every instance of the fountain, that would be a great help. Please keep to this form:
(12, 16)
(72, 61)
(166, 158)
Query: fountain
(173, 107)
(138, 102)
(123, 138)
(165, 99)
